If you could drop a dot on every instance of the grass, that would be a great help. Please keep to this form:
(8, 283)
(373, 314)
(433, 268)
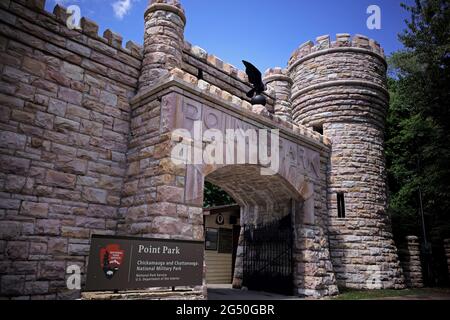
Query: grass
(348, 294)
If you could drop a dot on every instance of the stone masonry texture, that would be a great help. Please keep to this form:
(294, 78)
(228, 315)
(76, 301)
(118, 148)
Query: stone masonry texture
(86, 137)
(411, 264)
(339, 86)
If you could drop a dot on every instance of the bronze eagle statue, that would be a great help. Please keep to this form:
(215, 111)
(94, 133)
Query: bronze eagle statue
(255, 78)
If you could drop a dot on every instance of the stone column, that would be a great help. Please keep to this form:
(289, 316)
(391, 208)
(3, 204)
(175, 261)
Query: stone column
(281, 83)
(339, 87)
(447, 253)
(163, 40)
(410, 260)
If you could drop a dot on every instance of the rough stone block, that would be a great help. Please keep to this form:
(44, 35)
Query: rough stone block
(12, 285)
(49, 227)
(34, 209)
(10, 229)
(12, 140)
(94, 195)
(170, 194)
(17, 250)
(57, 107)
(57, 246)
(114, 39)
(52, 270)
(60, 179)
(89, 27)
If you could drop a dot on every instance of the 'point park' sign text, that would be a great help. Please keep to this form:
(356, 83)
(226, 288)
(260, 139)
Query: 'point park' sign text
(123, 263)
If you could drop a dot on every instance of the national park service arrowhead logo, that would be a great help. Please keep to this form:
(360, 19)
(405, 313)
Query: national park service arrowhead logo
(111, 257)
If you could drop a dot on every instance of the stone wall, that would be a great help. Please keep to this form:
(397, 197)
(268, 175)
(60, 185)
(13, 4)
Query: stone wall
(411, 264)
(64, 126)
(339, 87)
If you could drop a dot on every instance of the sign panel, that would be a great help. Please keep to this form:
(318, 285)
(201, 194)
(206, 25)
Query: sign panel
(123, 263)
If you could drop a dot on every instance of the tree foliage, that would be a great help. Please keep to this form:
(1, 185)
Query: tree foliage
(214, 196)
(417, 145)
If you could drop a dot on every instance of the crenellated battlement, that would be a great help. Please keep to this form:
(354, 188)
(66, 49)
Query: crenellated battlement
(239, 103)
(166, 5)
(175, 3)
(88, 27)
(343, 42)
(215, 62)
(220, 73)
(277, 74)
(350, 70)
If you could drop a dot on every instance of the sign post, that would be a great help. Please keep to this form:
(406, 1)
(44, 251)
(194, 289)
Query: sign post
(125, 263)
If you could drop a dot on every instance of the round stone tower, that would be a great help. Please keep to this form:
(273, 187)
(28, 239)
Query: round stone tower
(163, 40)
(281, 84)
(339, 88)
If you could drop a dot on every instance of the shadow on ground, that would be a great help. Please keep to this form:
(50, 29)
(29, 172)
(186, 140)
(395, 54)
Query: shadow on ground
(225, 292)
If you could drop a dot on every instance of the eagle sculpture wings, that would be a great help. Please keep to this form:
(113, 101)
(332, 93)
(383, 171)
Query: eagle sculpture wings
(255, 78)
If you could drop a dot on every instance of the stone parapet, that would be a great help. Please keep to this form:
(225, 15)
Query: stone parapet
(343, 42)
(88, 27)
(166, 5)
(339, 81)
(227, 97)
(219, 73)
(281, 84)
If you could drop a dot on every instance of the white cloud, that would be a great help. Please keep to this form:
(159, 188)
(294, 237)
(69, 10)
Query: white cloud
(121, 8)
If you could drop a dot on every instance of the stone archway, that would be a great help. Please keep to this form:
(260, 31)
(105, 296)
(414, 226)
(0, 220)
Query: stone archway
(264, 200)
(176, 207)
(259, 196)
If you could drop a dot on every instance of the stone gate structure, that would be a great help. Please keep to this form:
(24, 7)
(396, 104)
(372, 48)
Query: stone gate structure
(86, 135)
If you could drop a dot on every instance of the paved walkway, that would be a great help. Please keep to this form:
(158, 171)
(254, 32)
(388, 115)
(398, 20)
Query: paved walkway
(225, 292)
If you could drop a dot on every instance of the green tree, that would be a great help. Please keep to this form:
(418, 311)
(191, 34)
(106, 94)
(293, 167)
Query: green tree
(417, 145)
(214, 196)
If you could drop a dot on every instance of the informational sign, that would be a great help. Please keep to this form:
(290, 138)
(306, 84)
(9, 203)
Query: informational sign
(124, 263)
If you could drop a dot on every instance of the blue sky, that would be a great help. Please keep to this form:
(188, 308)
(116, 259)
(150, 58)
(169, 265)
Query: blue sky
(264, 32)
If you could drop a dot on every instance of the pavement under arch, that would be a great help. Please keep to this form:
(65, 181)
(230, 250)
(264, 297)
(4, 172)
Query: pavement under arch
(226, 292)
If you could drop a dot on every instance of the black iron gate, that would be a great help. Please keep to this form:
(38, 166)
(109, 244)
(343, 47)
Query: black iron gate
(267, 263)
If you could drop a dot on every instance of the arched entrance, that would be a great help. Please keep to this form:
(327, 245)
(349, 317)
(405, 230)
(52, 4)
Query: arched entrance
(264, 256)
(293, 183)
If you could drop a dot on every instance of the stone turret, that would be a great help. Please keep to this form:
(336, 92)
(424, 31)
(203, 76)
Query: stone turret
(163, 40)
(339, 87)
(281, 83)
